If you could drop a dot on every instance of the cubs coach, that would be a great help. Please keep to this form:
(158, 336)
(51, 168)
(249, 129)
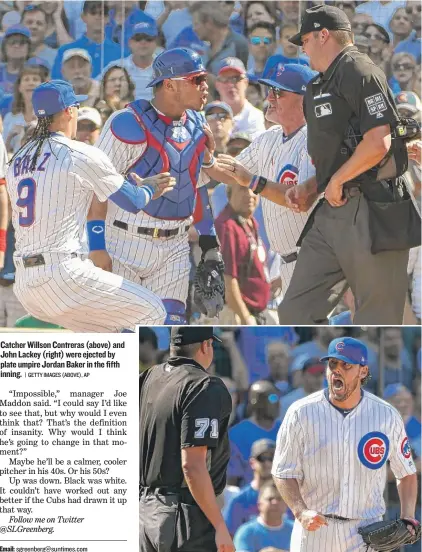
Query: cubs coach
(184, 449)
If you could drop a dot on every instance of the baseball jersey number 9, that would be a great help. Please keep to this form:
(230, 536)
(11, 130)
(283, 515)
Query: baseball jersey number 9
(26, 194)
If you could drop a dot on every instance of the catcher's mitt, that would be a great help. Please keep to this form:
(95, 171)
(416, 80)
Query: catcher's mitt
(386, 536)
(209, 283)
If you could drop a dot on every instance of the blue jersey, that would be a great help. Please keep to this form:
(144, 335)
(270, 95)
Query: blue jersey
(254, 536)
(246, 432)
(241, 509)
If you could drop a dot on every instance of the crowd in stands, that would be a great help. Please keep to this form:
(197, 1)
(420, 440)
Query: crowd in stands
(268, 369)
(105, 48)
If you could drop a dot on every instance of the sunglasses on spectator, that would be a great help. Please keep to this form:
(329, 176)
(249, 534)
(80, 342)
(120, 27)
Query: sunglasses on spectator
(17, 41)
(265, 458)
(375, 36)
(232, 80)
(140, 37)
(260, 40)
(410, 9)
(403, 66)
(197, 80)
(217, 117)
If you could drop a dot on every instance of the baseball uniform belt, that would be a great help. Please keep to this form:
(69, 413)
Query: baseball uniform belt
(152, 232)
(183, 495)
(38, 260)
(289, 258)
(338, 518)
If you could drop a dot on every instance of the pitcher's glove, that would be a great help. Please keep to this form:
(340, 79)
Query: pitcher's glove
(209, 283)
(389, 535)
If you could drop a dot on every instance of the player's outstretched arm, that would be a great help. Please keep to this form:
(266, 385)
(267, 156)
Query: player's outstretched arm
(96, 234)
(135, 198)
(407, 488)
(290, 493)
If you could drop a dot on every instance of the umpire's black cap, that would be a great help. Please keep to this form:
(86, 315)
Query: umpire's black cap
(186, 335)
(321, 17)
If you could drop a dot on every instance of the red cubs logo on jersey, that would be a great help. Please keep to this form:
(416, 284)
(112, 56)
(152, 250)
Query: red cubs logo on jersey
(288, 175)
(373, 450)
(405, 448)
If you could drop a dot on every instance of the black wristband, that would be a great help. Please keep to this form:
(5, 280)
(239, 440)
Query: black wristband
(208, 242)
(262, 182)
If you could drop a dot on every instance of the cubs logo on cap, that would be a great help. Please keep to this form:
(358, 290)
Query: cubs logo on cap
(339, 346)
(373, 450)
(405, 448)
(349, 350)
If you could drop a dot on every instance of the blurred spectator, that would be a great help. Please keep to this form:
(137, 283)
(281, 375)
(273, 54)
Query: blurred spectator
(412, 45)
(15, 50)
(414, 271)
(148, 348)
(262, 45)
(174, 19)
(22, 112)
(286, 51)
(269, 529)
(245, 257)
(288, 12)
(244, 506)
(232, 84)
(401, 398)
(77, 69)
(317, 347)
(234, 394)
(255, 12)
(254, 94)
(398, 363)
(379, 50)
(400, 26)
(408, 105)
(362, 44)
(313, 373)
(212, 26)
(278, 356)
(35, 19)
(237, 143)
(348, 6)
(381, 11)
(219, 116)
(122, 17)
(142, 44)
(102, 50)
(57, 33)
(359, 23)
(189, 39)
(117, 90)
(89, 125)
(404, 72)
(263, 408)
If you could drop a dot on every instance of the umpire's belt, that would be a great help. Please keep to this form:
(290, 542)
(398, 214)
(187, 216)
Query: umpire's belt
(152, 232)
(338, 518)
(40, 260)
(289, 258)
(183, 495)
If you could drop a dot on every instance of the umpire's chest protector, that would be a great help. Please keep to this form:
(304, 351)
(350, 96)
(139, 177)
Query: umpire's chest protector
(175, 147)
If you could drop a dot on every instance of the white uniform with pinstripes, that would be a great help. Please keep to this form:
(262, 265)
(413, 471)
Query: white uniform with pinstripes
(161, 264)
(270, 155)
(318, 446)
(67, 290)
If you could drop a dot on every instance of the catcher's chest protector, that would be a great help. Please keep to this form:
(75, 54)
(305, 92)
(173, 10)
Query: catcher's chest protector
(172, 146)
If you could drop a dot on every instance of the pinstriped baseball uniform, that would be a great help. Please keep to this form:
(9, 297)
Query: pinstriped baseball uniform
(162, 264)
(286, 160)
(50, 207)
(339, 462)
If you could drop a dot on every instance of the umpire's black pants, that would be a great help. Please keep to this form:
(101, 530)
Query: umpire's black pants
(168, 525)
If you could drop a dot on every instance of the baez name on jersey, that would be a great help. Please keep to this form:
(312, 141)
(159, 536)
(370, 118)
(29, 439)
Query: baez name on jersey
(21, 164)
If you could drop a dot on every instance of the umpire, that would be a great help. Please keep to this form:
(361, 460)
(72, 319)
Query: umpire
(351, 116)
(184, 416)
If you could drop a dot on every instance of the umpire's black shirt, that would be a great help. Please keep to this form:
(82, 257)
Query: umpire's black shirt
(352, 89)
(181, 406)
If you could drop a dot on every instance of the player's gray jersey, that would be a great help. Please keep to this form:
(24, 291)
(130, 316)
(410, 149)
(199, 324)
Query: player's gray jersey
(288, 162)
(340, 461)
(50, 205)
(124, 156)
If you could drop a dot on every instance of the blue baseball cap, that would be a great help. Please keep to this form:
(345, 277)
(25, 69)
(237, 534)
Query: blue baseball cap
(392, 389)
(54, 96)
(221, 105)
(291, 77)
(38, 62)
(18, 29)
(144, 27)
(348, 350)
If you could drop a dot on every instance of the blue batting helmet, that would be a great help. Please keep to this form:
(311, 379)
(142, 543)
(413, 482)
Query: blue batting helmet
(178, 62)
